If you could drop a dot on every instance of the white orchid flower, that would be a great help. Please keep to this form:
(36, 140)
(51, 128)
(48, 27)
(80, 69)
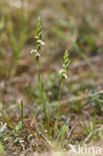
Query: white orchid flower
(41, 42)
(33, 51)
(65, 76)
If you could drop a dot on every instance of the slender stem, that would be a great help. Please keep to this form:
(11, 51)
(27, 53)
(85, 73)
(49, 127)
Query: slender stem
(42, 98)
(58, 112)
(22, 114)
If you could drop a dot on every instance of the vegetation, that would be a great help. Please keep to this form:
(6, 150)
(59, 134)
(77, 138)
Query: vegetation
(44, 107)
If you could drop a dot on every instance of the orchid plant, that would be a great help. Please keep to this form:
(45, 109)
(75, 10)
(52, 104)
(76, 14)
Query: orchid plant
(36, 52)
(62, 74)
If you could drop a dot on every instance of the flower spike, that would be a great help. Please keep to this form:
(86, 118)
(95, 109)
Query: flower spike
(63, 72)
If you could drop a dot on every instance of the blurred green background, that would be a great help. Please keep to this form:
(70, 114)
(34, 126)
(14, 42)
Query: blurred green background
(73, 25)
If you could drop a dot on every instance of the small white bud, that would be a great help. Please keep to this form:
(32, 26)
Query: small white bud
(33, 51)
(41, 42)
(61, 71)
(37, 55)
(65, 76)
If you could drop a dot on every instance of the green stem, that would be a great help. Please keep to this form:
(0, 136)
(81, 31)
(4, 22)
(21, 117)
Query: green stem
(22, 115)
(58, 112)
(42, 98)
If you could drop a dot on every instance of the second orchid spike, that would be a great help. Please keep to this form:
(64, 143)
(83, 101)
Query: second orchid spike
(66, 61)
